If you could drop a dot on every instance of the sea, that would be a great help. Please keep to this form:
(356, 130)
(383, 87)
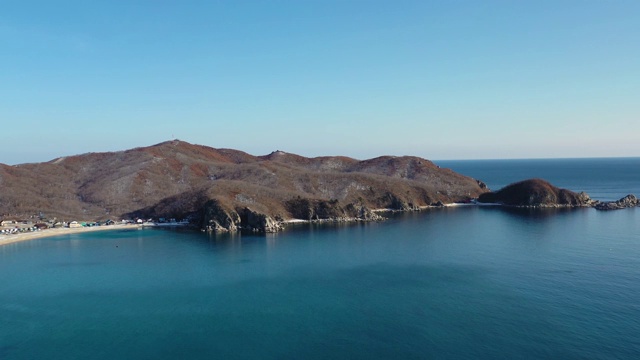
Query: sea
(468, 282)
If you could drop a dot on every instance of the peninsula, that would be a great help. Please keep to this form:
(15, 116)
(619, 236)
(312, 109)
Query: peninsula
(224, 189)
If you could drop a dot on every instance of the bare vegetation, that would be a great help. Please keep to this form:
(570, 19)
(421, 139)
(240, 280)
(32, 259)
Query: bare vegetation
(536, 193)
(175, 179)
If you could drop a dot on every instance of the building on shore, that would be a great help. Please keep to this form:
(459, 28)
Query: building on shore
(7, 223)
(75, 224)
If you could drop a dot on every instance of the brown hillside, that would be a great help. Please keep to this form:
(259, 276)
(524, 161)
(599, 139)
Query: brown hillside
(535, 192)
(175, 179)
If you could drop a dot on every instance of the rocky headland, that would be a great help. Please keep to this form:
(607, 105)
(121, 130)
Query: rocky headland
(536, 193)
(225, 189)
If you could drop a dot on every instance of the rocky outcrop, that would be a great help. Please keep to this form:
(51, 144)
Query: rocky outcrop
(396, 203)
(482, 185)
(536, 193)
(626, 202)
(258, 222)
(217, 219)
(331, 210)
(361, 212)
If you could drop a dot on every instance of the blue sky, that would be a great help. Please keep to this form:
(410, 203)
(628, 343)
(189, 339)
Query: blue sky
(437, 79)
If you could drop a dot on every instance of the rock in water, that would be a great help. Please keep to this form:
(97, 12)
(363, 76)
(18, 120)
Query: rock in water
(626, 202)
(536, 193)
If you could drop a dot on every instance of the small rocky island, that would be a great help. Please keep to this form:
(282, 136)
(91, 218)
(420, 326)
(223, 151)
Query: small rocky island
(538, 193)
(626, 202)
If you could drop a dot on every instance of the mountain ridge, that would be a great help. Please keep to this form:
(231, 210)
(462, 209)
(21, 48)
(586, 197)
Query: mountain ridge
(176, 179)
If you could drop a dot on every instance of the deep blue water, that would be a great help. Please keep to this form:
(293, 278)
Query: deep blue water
(470, 282)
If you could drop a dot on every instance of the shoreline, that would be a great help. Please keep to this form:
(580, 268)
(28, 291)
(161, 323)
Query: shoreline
(15, 238)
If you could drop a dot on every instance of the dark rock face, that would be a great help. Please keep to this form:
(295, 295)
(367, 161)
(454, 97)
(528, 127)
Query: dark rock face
(482, 185)
(397, 203)
(626, 202)
(308, 209)
(361, 212)
(215, 218)
(255, 221)
(536, 193)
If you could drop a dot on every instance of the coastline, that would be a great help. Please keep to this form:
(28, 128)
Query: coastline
(14, 238)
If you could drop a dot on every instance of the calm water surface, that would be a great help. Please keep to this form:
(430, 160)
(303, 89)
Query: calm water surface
(471, 282)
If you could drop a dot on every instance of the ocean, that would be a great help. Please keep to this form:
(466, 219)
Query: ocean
(603, 179)
(464, 282)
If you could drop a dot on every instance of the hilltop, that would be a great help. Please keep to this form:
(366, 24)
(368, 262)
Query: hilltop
(223, 188)
(536, 193)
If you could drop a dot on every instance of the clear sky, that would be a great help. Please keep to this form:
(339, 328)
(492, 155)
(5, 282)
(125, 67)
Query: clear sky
(438, 79)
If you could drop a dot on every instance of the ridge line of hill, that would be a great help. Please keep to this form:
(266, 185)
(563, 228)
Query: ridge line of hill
(176, 179)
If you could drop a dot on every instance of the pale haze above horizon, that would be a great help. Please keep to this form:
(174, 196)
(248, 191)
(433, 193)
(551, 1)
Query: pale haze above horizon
(436, 79)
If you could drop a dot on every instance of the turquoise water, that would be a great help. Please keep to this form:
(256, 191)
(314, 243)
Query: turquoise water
(470, 282)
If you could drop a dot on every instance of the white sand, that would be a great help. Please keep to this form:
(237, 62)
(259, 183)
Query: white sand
(13, 238)
(294, 221)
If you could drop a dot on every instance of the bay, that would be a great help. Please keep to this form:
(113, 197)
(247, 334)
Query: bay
(466, 282)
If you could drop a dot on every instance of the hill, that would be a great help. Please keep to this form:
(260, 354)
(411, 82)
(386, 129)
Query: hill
(536, 193)
(223, 187)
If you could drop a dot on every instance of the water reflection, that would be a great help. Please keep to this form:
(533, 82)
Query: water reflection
(536, 214)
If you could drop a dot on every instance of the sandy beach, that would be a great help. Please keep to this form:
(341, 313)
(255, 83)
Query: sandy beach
(13, 238)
